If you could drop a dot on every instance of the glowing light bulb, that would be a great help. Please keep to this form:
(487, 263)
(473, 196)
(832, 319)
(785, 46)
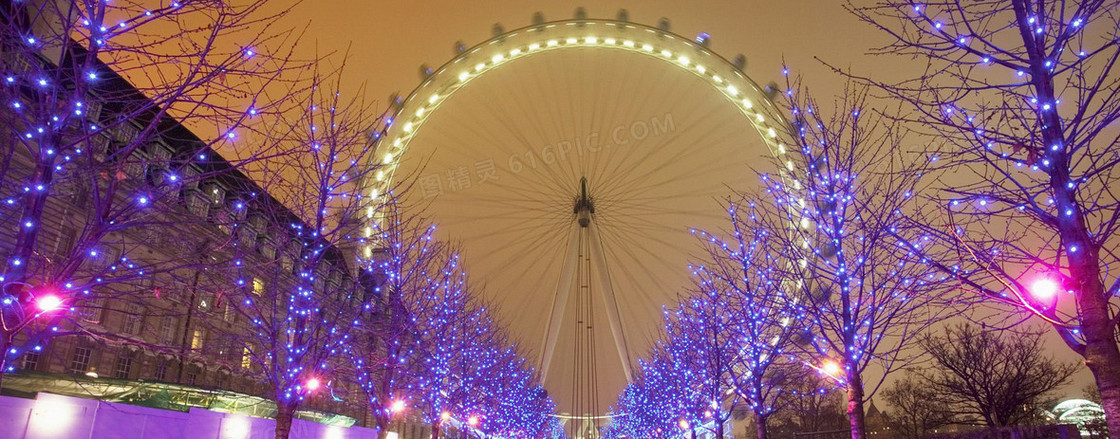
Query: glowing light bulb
(49, 302)
(1044, 288)
(831, 367)
(312, 384)
(397, 406)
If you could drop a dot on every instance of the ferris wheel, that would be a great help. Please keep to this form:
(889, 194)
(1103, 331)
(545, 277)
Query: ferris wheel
(570, 160)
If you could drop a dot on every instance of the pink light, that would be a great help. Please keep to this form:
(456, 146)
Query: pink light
(312, 384)
(49, 302)
(684, 424)
(472, 421)
(397, 406)
(1044, 289)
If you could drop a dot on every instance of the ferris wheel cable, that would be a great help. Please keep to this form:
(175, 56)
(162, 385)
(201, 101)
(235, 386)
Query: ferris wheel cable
(673, 174)
(617, 108)
(629, 213)
(625, 231)
(530, 218)
(499, 111)
(650, 149)
(641, 211)
(550, 173)
(649, 254)
(520, 293)
(603, 173)
(555, 121)
(639, 299)
(576, 108)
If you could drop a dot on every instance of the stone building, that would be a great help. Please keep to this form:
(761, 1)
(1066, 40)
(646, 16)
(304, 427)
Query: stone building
(166, 339)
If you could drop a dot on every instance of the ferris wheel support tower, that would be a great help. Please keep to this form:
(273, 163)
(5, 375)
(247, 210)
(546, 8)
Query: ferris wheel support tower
(584, 230)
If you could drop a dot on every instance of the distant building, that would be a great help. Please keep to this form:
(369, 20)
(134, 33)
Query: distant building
(876, 422)
(1088, 416)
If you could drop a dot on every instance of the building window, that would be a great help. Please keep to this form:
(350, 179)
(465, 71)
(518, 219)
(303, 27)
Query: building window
(80, 197)
(192, 377)
(197, 339)
(167, 330)
(133, 319)
(229, 314)
(104, 257)
(198, 204)
(246, 358)
(30, 361)
(79, 361)
(124, 366)
(66, 236)
(206, 302)
(93, 309)
(161, 370)
(258, 286)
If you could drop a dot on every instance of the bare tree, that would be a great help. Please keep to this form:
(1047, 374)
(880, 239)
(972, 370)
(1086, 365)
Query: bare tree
(992, 379)
(298, 280)
(702, 341)
(429, 348)
(837, 215)
(1019, 100)
(816, 409)
(652, 405)
(412, 268)
(496, 384)
(741, 280)
(98, 98)
(918, 410)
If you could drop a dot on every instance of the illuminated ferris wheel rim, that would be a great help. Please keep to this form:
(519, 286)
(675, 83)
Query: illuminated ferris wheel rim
(678, 51)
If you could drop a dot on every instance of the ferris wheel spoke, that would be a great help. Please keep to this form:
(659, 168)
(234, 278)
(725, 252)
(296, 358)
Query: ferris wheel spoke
(646, 299)
(644, 151)
(613, 159)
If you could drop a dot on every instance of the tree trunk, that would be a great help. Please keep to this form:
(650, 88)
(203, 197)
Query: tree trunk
(5, 344)
(760, 424)
(855, 405)
(1102, 356)
(435, 429)
(284, 413)
(719, 427)
(382, 425)
(1100, 351)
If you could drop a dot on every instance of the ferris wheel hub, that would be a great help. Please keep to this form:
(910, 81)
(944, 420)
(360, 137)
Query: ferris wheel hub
(584, 206)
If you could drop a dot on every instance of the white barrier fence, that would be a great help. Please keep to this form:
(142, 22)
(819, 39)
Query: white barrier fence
(63, 417)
